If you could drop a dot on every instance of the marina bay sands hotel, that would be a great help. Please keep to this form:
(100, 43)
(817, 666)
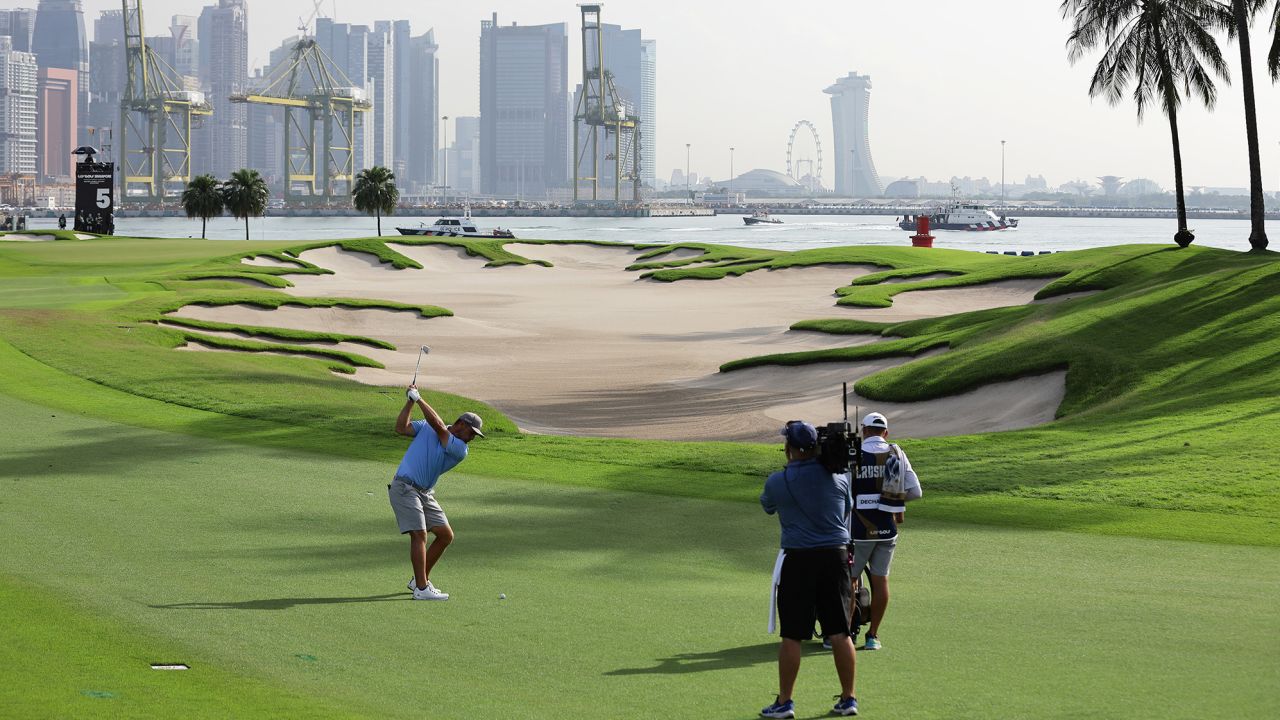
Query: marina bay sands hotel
(855, 171)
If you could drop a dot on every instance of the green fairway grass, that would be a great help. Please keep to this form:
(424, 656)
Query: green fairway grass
(286, 568)
(229, 510)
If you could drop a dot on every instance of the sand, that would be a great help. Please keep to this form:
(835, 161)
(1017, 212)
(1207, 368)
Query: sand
(268, 261)
(587, 348)
(26, 237)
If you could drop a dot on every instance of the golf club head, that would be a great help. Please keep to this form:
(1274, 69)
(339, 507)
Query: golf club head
(426, 350)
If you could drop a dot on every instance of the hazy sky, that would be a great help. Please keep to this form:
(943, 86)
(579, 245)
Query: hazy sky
(951, 80)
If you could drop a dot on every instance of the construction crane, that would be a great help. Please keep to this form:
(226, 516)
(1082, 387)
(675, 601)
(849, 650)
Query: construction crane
(600, 110)
(320, 109)
(156, 118)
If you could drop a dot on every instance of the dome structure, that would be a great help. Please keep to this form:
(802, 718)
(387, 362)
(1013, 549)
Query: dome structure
(766, 182)
(902, 189)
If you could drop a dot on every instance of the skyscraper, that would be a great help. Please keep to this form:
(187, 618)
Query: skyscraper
(402, 37)
(18, 93)
(524, 108)
(347, 47)
(186, 47)
(221, 147)
(106, 82)
(648, 111)
(109, 28)
(422, 108)
(56, 131)
(464, 156)
(59, 42)
(850, 109)
(20, 25)
(382, 73)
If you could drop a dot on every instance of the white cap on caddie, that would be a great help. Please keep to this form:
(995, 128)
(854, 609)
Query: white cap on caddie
(875, 420)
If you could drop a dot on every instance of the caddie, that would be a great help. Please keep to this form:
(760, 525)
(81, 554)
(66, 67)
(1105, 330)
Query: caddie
(884, 485)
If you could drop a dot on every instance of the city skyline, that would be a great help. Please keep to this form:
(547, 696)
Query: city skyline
(717, 89)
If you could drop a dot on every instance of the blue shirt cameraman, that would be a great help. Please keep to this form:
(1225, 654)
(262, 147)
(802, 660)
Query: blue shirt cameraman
(813, 580)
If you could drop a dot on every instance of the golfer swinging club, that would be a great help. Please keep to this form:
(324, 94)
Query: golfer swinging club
(430, 455)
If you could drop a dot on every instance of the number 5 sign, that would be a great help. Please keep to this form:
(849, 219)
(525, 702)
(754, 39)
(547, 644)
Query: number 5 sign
(95, 201)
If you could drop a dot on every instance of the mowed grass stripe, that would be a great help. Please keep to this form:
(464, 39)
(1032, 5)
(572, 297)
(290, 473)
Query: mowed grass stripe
(62, 661)
(286, 567)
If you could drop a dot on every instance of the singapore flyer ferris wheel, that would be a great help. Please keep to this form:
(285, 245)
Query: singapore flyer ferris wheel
(793, 168)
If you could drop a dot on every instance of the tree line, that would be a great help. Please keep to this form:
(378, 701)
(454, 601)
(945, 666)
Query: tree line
(245, 195)
(1166, 50)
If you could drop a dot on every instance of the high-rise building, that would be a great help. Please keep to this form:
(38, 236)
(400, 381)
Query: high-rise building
(347, 47)
(20, 25)
(18, 96)
(221, 147)
(382, 73)
(59, 42)
(524, 108)
(850, 111)
(56, 130)
(464, 156)
(402, 36)
(106, 82)
(109, 28)
(106, 89)
(186, 46)
(648, 111)
(421, 107)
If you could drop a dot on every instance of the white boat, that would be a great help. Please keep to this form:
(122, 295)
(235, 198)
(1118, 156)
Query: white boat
(456, 227)
(962, 216)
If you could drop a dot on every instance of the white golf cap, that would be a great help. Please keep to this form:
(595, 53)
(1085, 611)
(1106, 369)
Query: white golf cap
(875, 420)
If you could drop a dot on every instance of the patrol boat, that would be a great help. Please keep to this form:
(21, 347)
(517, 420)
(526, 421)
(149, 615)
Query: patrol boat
(456, 227)
(761, 218)
(962, 216)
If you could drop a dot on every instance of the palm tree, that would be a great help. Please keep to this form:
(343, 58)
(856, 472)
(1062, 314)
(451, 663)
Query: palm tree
(1242, 12)
(375, 193)
(1164, 48)
(245, 195)
(202, 199)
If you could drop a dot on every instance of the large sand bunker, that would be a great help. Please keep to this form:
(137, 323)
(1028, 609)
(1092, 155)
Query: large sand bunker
(586, 347)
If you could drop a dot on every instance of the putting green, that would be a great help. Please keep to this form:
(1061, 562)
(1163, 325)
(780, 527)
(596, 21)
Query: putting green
(278, 575)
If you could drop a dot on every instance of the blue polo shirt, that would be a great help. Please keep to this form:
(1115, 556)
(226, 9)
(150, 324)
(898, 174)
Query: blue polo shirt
(812, 505)
(426, 459)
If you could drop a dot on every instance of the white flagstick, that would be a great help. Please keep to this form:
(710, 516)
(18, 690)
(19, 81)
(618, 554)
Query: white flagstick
(422, 351)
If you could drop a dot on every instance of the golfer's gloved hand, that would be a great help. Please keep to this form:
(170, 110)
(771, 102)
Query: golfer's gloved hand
(414, 395)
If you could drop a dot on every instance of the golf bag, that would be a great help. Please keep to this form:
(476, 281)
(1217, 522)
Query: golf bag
(860, 602)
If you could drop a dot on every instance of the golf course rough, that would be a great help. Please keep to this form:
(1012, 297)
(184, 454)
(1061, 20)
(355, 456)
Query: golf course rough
(228, 509)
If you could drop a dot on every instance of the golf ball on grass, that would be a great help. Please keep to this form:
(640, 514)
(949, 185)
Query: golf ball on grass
(502, 596)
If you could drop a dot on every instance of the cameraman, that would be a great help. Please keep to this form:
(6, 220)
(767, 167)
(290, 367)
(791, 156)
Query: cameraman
(813, 580)
(881, 490)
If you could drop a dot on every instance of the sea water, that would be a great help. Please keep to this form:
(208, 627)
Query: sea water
(797, 232)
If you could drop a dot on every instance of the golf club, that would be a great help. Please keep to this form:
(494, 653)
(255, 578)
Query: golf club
(423, 351)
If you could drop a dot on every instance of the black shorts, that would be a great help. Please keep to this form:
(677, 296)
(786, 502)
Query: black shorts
(814, 584)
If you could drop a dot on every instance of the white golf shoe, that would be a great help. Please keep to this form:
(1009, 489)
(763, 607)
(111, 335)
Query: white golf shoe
(428, 593)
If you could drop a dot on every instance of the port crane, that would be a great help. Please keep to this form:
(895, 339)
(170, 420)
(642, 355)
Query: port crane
(320, 110)
(601, 110)
(157, 115)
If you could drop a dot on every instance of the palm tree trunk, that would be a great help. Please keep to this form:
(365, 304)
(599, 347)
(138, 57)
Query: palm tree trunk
(1184, 236)
(246, 226)
(204, 224)
(379, 223)
(1257, 210)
